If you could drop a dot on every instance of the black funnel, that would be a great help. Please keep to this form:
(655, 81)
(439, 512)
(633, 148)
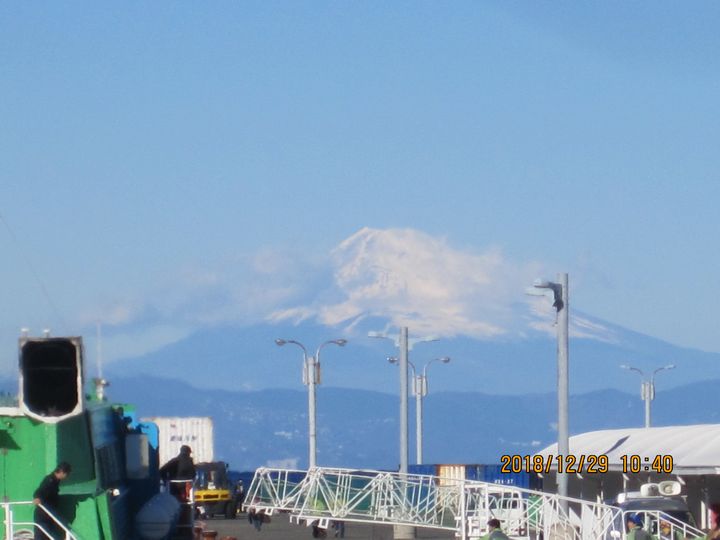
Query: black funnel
(51, 378)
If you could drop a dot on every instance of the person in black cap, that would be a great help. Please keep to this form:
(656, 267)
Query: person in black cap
(494, 532)
(48, 495)
(179, 472)
(635, 528)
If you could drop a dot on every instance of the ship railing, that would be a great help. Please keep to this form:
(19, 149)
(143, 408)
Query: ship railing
(321, 496)
(25, 529)
(674, 528)
(274, 489)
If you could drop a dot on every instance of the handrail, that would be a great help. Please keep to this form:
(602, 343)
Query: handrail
(677, 527)
(322, 495)
(10, 525)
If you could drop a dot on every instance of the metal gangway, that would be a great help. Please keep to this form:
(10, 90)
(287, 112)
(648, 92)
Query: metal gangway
(323, 495)
(20, 529)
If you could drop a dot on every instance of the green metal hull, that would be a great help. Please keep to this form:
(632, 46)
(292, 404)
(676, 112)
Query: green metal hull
(102, 495)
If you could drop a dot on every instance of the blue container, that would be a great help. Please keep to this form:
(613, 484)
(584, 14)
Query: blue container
(485, 473)
(493, 475)
(430, 470)
(475, 472)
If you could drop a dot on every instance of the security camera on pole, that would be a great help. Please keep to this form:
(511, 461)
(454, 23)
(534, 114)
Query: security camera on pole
(561, 305)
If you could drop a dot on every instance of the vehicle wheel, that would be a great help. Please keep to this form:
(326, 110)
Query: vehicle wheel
(231, 510)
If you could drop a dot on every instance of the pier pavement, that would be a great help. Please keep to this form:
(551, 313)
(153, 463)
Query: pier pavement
(280, 528)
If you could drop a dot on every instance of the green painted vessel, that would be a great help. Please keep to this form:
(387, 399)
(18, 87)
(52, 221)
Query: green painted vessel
(114, 463)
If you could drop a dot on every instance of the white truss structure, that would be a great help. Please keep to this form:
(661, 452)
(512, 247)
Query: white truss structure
(322, 495)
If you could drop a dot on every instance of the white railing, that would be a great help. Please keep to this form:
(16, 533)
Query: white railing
(674, 529)
(322, 495)
(16, 529)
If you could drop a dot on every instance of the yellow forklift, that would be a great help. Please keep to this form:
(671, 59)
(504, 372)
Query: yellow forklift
(215, 493)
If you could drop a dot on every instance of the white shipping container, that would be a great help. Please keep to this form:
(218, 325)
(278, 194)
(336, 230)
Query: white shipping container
(196, 432)
(451, 475)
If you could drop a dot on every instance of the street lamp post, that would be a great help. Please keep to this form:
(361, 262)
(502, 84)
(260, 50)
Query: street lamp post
(647, 388)
(311, 378)
(404, 344)
(420, 388)
(404, 353)
(561, 305)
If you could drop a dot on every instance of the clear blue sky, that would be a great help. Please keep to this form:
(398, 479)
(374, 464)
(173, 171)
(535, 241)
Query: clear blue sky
(142, 141)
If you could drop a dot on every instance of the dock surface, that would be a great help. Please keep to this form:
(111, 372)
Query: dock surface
(280, 528)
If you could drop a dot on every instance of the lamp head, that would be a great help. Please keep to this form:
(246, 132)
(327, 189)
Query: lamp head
(280, 342)
(340, 342)
(392, 359)
(445, 359)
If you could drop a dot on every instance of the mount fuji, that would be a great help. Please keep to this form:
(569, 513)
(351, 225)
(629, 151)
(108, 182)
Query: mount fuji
(473, 304)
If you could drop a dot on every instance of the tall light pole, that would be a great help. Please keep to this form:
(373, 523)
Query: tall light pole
(647, 388)
(404, 344)
(561, 305)
(311, 378)
(420, 389)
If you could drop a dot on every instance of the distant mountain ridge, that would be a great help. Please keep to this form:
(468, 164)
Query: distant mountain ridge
(246, 357)
(359, 428)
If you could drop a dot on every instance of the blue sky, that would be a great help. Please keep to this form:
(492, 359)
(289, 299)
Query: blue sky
(159, 158)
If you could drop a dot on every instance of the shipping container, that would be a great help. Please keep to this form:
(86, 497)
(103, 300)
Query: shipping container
(450, 475)
(494, 475)
(429, 470)
(475, 472)
(174, 432)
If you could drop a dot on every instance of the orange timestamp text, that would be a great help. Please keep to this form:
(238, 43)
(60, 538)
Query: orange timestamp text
(584, 464)
(539, 464)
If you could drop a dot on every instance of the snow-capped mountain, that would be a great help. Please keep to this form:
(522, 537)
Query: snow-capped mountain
(473, 304)
(413, 279)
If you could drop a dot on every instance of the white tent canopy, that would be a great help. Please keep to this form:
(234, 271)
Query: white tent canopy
(694, 449)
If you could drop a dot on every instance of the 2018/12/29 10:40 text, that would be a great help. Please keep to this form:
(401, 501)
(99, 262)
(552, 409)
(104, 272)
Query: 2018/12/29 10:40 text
(588, 464)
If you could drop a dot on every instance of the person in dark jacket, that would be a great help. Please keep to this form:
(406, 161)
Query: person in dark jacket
(48, 495)
(635, 528)
(181, 467)
(494, 531)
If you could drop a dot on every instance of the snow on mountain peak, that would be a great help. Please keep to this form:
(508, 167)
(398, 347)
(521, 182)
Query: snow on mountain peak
(414, 279)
